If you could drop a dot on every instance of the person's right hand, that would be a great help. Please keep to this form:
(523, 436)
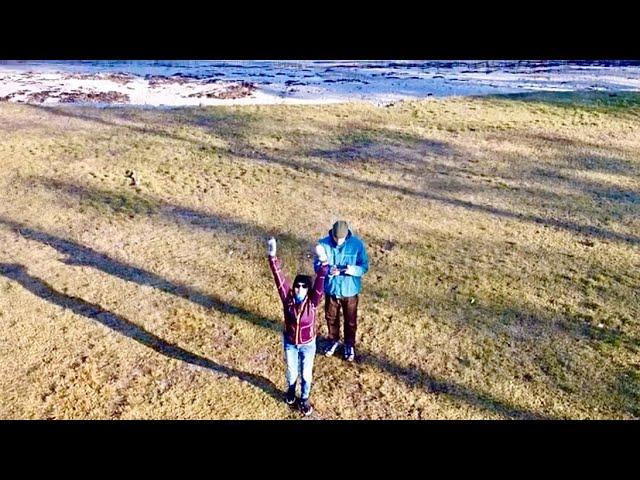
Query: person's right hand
(271, 247)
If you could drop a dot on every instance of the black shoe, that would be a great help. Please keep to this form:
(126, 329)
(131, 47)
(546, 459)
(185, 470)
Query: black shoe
(331, 349)
(349, 354)
(306, 408)
(290, 398)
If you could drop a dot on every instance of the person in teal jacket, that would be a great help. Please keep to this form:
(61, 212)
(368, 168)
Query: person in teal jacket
(348, 262)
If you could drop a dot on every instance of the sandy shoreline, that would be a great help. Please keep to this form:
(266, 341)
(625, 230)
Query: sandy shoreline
(237, 83)
(56, 88)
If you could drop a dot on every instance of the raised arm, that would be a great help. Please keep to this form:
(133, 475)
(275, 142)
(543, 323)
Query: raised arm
(318, 285)
(282, 284)
(321, 273)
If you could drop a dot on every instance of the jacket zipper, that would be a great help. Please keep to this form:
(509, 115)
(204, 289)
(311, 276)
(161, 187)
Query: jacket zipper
(297, 337)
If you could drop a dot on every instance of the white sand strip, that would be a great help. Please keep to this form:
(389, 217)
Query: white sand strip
(203, 83)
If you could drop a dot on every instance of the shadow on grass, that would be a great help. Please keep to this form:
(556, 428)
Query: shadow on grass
(567, 225)
(628, 384)
(246, 235)
(593, 189)
(359, 138)
(85, 256)
(127, 202)
(206, 221)
(415, 377)
(386, 148)
(80, 255)
(125, 327)
(620, 102)
(603, 158)
(229, 120)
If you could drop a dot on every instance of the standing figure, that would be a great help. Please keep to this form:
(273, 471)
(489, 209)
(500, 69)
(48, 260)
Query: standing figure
(348, 260)
(300, 312)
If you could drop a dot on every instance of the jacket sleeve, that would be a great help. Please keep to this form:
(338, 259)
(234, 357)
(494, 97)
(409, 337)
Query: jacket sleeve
(318, 285)
(282, 284)
(362, 263)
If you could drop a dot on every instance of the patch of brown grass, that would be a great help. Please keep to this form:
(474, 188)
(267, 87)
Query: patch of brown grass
(503, 238)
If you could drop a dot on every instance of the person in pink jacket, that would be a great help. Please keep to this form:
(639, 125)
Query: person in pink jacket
(300, 303)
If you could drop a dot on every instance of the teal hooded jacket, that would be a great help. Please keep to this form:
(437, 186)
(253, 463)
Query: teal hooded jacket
(353, 254)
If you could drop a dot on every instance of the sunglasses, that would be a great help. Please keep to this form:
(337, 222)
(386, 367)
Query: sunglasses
(301, 285)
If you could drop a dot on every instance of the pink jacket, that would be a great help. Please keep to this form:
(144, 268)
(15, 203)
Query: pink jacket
(299, 320)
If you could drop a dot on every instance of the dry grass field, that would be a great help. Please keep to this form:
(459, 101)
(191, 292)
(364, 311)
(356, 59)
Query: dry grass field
(503, 236)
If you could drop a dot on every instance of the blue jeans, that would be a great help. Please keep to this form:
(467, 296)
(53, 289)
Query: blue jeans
(299, 359)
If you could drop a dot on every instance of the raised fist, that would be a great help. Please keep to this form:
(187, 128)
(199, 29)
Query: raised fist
(271, 247)
(322, 255)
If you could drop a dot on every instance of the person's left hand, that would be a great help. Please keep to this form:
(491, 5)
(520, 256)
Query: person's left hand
(334, 271)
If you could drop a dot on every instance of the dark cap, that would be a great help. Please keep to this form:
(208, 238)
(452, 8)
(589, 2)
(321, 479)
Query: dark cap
(306, 279)
(340, 229)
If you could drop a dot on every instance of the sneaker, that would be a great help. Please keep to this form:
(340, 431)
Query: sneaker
(291, 395)
(349, 354)
(331, 349)
(306, 408)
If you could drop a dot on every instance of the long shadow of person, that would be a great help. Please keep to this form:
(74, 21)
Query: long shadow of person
(121, 325)
(416, 377)
(80, 255)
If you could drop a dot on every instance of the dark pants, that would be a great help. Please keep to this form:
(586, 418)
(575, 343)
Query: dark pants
(349, 305)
